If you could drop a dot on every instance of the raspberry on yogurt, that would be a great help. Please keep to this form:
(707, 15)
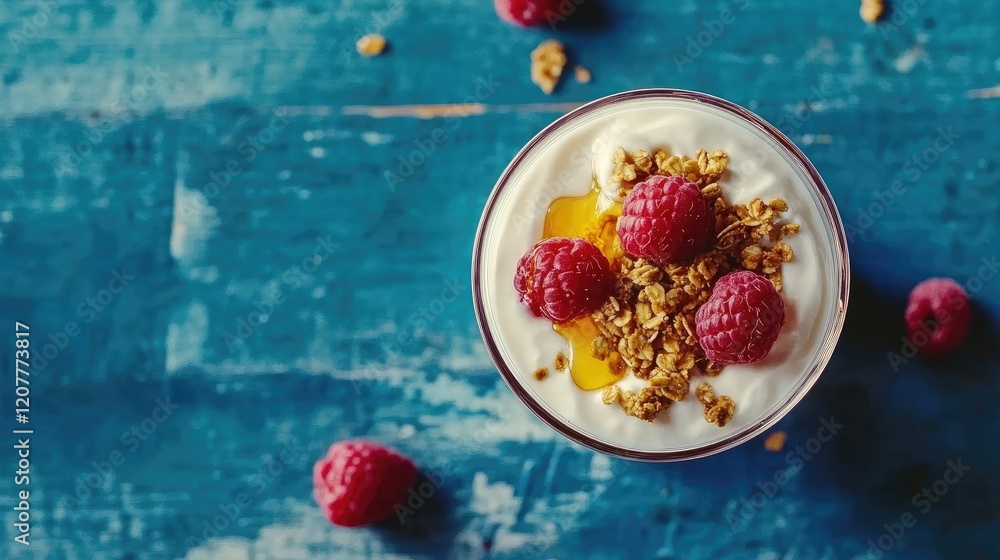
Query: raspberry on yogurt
(665, 219)
(740, 322)
(562, 278)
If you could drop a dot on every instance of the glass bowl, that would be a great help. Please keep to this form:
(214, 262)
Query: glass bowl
(512, 219)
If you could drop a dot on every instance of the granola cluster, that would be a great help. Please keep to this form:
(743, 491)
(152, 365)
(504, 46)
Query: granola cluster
(647, 327)
(872, 10)
(561, 362)
(547, 63)
(371, 44)
(776, 441)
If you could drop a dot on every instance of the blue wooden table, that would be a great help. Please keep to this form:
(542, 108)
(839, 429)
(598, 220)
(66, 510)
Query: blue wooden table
(220, 279)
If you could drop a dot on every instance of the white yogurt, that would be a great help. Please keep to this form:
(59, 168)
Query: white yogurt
(566, 163)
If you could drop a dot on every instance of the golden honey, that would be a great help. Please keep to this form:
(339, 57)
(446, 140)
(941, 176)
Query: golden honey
(581, 216)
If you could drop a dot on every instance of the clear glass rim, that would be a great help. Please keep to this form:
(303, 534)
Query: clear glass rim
(841, 266)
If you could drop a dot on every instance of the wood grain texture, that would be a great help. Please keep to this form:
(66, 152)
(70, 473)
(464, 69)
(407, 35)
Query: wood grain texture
(213, 149)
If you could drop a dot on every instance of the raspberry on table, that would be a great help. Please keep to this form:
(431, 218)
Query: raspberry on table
(360, 482)
(526, 12)
(665, 219)
(938, 316)
(740, 322)
(562, 278)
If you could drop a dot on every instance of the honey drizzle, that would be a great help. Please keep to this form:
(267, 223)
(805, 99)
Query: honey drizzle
(582, 216)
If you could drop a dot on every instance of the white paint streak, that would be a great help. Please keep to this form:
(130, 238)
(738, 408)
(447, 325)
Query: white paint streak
(600, 467)
(319, 348)
(187, 334)
(320, 134)
(827, 104)
(475, 417)
(60, 203)
(194, 224)
(12, 172)
(120, 87)
(375, 138)
(822, 53)
(984, 93)
(495, 502)
(476, 359)
(304, 536)
(958, 64)
(495, 506)
(221, 549)
(908, 59)
(459, 415)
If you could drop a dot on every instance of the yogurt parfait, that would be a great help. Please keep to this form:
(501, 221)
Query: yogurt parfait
(660, 275)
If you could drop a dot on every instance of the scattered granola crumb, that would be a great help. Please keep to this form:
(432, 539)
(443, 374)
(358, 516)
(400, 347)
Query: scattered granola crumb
(610, 394)
(547, 63)
(718, 411)
(776, 441)
(582, 75)
(705, 394)
(674, 386)
(871, 10)
(599, 348)
(646, 405)
(721, 412)
(541, 373)
(371, 45)
(561, 363)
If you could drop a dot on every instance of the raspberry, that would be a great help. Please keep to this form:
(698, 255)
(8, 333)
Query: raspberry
(561, 278)
(741, 320)
(359, 482)
(665, 219)
(526, 12)
(938, 316)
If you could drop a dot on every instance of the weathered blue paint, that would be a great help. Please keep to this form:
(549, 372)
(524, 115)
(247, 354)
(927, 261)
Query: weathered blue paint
(365, 344)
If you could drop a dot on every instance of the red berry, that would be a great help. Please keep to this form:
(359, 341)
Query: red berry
(938, 316)
(360, 482)
(741, 320)
(665, 219)
(561, 278)
(526, 12)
